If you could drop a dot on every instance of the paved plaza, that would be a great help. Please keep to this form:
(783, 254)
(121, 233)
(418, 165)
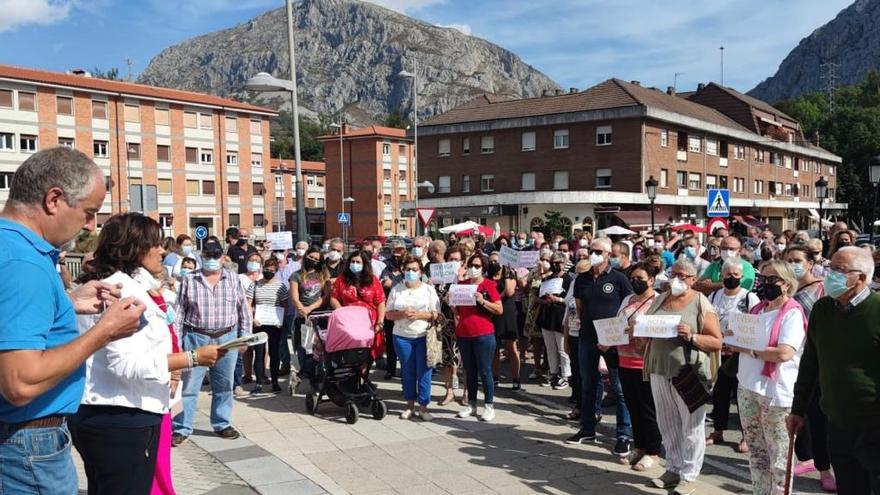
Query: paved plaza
(284, 450)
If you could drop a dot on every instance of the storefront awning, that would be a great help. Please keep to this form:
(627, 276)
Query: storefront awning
(749, 221)
(814, 214)
(635, 218)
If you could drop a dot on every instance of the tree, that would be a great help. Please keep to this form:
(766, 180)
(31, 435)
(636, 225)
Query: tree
(111, 74)
(310, 148)
(555, 223)
(396, 118)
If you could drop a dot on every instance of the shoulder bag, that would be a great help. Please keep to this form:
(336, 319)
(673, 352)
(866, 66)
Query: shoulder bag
(689, 384)
(434, 341)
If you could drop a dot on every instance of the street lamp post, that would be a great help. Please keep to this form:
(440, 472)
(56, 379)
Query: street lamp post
(414, 75)
(821, 193)
(342, 198)
(651, 188)
(874, 176)
(345, 226)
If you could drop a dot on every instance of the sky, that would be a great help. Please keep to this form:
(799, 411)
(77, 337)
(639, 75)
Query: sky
(577, 43)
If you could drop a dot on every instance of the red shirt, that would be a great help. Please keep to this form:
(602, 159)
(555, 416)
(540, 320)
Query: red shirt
(160, 301)
(369, 297)
(474, 321)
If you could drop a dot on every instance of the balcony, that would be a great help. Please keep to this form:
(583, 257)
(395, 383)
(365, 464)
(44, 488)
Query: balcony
(681, 155)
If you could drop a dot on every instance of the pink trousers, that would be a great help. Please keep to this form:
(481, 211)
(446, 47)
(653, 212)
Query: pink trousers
(162, 484)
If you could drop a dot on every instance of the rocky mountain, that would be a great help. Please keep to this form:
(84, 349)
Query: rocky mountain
(851, 40)
(348, 55)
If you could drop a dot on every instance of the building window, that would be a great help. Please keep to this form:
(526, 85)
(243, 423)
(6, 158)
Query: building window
(206, 121)
(739, 152)
(134, 151)
(310, 180)
(206, 157)
(234, 219)
(386, 176)
(711, 146)
(487, 144)
(664, 138)
(319, 202)
(192, 188)
(6, 141)
(603, 177)
(443, 184)
(66, 142)
(310, 203)
(231, 124)
(806, 191)
(681, 179)
(162, 116)
(163, 153)
(99, 109)
(257, 127)
(528, 141)
(27, 143)
(711, 182)
(560, 139)
(258, 189)
(465, 183)
(466, 146)
(786, 189)
(164, 187)
(681, 141)
(386, 149)
(757, 187)
(442, 147)
(487, 182)
(739, 184)
(259, 220)
(722, 149)
(787, 160)
(257, 160)
(722, 182)
(192, 155)
(232, 158)
(190, 120)
(664, 178)
(233, 188)
(101, 149)
(5, 98)
(27, 102)
(694, 144)
(401, 152)
(774, 158)
(64, 105)
(603, 135)
(5, 180)
(528, 181)
(694, 182)
(207, 188)
(132, 113)
(386, 224)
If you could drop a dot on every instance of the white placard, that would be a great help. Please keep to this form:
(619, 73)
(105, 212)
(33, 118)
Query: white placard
(247, 341)
(269, 315)
(519, 259)
(747, 331)
(279, 241)
(445, 273)
(550, 286)
(657, 326)
(462, 295)
(612, 331)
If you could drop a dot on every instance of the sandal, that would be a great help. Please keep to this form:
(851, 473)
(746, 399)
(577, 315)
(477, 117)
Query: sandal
(645, 463)
(446, 400)
(715, 438)
(742, 447)
(574, 415)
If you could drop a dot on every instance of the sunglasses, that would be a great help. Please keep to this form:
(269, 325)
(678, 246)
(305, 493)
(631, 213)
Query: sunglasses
(597, 251)
(681, 276)
(768, 279)
(475, 266)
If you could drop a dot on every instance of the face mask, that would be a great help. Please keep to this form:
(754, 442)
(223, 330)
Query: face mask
(798, 269)
(355, 268)
(690, 252)
(410, 276)
(781, 247)
(147, 279)
(836, 284)
(582, 243)
(658, 245)
(417, 252)
(678, 287)
(596, 259)
(310, 264)
(279, 256)
(475, 272)
(187, 250)
(555, 268)
(184, 272)
(242, 242)
(325, 247)
(267, 275)
(731, 283)
(531, 242)
(639, 286)
(300, 252)
(520, 242)
(334, 255)
(254, 266)
(545, 265)
(555, 246)
(615, 262)
(726, 254)
(211, 264)
(546, 252)
(769, 292)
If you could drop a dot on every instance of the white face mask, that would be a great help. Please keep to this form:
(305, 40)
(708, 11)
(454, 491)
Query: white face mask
(678, 287)
(583, 243)
(475, 272)
(596, 259)
(300, 252)
(726, 254)
(334, 255)
(546, 265)
(781, 247)
(658, 245)
(417, 252)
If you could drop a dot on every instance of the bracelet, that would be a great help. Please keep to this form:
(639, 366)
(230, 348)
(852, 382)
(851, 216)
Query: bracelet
(195, 357)
(189, 360)
(754, 354)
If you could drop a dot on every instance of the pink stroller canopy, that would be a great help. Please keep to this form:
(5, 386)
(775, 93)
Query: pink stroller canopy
(349, 328)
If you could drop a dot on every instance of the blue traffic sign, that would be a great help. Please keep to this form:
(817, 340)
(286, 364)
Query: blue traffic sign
(201, 232)
(718, 203)
(343, 218)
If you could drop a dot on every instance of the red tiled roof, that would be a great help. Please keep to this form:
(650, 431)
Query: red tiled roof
(754, 102)
(127, 88)
(372, 130)
(306, 165)
(661, 100)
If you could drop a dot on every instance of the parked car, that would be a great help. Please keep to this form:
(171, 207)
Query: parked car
(370, 238)
(407, 241)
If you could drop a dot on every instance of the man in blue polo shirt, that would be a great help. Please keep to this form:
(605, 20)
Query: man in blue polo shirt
(598, 294)
(54, 194)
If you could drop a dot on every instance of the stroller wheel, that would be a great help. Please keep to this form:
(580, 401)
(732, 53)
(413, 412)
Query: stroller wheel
(379, 409)
(351, 413)
(311, 403)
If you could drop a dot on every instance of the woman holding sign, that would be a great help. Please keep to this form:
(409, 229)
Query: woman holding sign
(552, 297)
(267, 298)
(673, 347)
(768, 369)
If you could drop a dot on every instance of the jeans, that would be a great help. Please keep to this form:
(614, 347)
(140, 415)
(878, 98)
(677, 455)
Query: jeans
(725, 387)
(588, 361)
(37, 460)
(221, 385)
(414, 371)
(476, 355)
(117, 460)
(624, 422)
(855, 455)
(274, 343)
(812, 442)
(238, 373)
(283, 349)
(640, 403)
(390, 347)
(575, 380)
(298, 344)
(560, 365)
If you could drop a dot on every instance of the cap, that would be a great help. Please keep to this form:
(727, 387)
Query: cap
(397, 243)
(212, 247)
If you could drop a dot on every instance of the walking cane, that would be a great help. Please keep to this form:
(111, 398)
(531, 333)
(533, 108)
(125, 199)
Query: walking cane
(789, 460)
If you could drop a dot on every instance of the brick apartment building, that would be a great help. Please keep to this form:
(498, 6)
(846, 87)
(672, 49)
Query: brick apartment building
(189, 159)
(588, 155)
(284, 172)
(378, 175)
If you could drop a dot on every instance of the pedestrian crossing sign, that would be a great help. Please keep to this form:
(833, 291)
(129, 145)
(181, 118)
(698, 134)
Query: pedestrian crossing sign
(718, 203)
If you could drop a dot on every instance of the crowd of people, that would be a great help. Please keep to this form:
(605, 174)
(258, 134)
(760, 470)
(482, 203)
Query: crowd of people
(98, 362)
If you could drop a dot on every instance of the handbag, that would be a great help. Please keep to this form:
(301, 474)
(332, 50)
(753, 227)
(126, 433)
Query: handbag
(688, 383)
(434, 342)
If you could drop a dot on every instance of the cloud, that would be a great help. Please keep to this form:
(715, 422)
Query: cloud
(18, 13)
(407, 6)
(464, 28)
(214, 6)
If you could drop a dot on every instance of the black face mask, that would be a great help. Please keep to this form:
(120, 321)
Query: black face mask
(310, 264)
(769, 292)
(268, 275)
(639, 286)
(555, 267)
(242, 242)
(731, 283)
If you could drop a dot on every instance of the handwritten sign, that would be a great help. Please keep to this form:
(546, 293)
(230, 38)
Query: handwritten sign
(462, 295)
(269, 315)
(657, 326)
(519, 259)
(550, 286)
(612, 331)
(747, 331)
(445, 273)
(279, 241)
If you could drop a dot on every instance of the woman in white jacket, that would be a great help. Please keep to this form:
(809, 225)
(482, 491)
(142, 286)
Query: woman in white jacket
(128, 389)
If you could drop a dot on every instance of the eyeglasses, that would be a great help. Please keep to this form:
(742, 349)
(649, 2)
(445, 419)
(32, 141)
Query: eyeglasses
(681, 276)
(597, 251)
(475, 266)
(768, 279)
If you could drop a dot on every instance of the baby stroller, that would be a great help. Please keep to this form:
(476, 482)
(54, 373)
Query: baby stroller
(342, 353)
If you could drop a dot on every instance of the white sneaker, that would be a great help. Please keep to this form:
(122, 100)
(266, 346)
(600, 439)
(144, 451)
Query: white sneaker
(426, 416)
(239, 392)
(468, 411)
(488, 413)
(406, 414)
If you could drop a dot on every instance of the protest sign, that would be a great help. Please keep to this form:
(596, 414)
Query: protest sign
(550, 286)
(747, 331)
(518, 259)
(279, 241)
(612, 331)
(657, 326)
(445, 273)
(462, 295)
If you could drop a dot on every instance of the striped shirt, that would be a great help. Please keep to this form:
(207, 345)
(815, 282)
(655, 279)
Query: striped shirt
(212, 309)
(272, 292)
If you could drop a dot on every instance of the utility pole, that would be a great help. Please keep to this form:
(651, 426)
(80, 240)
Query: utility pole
(722, 65)
(829, 80)
(129, 62)
(675, 80)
